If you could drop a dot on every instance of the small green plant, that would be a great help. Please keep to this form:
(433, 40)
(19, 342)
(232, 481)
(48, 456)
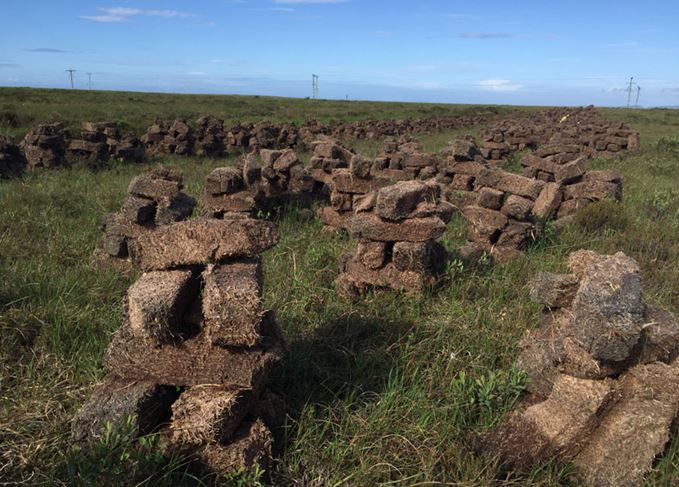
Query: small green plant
(483, 401)
(602, 215)
(455, 267)
(485, 260)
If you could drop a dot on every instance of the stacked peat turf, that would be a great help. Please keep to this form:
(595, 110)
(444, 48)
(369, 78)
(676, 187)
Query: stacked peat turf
(45, 146)
(154, 199)
(578, 185)
(457, 175)
(210, 137)
(264, 135)
(565, 133)
(354, 189)
(603, 376)
(328, 155)
(508, 211)
(261, 180)
(237, 137)
(12, 161)
(164, 138)
(283, 176)
(196, 349)
(494, 148)
(227, 194)
(397, 231)
(101, 141)
(402, 158)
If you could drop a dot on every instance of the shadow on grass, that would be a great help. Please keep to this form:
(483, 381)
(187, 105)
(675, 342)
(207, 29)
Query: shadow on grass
(350, 356)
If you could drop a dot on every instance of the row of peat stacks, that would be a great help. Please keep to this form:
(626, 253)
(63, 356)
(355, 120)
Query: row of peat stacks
(193, 357)
(603, 376)
(506, 211)
(511, 210)
(576, 131)
(560, 135)
(49, 145)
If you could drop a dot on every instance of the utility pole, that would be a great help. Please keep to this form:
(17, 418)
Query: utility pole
(314, 86)
(89, 80)
(71, 71)
(636, 104)
(629, 91)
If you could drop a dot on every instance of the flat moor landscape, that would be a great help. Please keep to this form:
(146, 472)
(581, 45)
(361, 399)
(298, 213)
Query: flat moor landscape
(388, 390)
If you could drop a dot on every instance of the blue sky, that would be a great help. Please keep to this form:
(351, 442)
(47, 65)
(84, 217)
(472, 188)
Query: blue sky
(460, 51)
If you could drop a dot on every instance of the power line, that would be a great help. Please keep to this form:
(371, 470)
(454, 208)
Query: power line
(314, 86)
(71, 71)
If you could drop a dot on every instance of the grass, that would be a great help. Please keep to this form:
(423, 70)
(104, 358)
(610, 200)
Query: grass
(21, 108)
(392, 390)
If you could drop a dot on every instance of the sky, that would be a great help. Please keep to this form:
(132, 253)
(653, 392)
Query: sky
(528, 52)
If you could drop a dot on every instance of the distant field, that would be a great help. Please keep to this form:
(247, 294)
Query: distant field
(389, 391)
(22, 107)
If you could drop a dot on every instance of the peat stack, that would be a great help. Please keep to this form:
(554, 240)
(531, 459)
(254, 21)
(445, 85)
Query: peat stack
(167, 138)
(210, 137)
(402, 158)
(101, 141)
(578, 185)
(507, 213)
(260, 180)
(603, 376)
(45, 146)
(352, 188)
(457, 175)
(327, 156)
(154, 199)
(193, 356)
(397, 228)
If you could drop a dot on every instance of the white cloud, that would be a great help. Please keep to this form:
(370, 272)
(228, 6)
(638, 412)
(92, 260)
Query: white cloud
(123, 14)
(383, 34)
(502, 85)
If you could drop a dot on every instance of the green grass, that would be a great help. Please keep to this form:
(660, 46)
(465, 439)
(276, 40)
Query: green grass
(392, 390)
(21, 108)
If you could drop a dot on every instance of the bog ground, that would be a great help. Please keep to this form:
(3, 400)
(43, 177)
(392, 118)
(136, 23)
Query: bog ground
(392, 390)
